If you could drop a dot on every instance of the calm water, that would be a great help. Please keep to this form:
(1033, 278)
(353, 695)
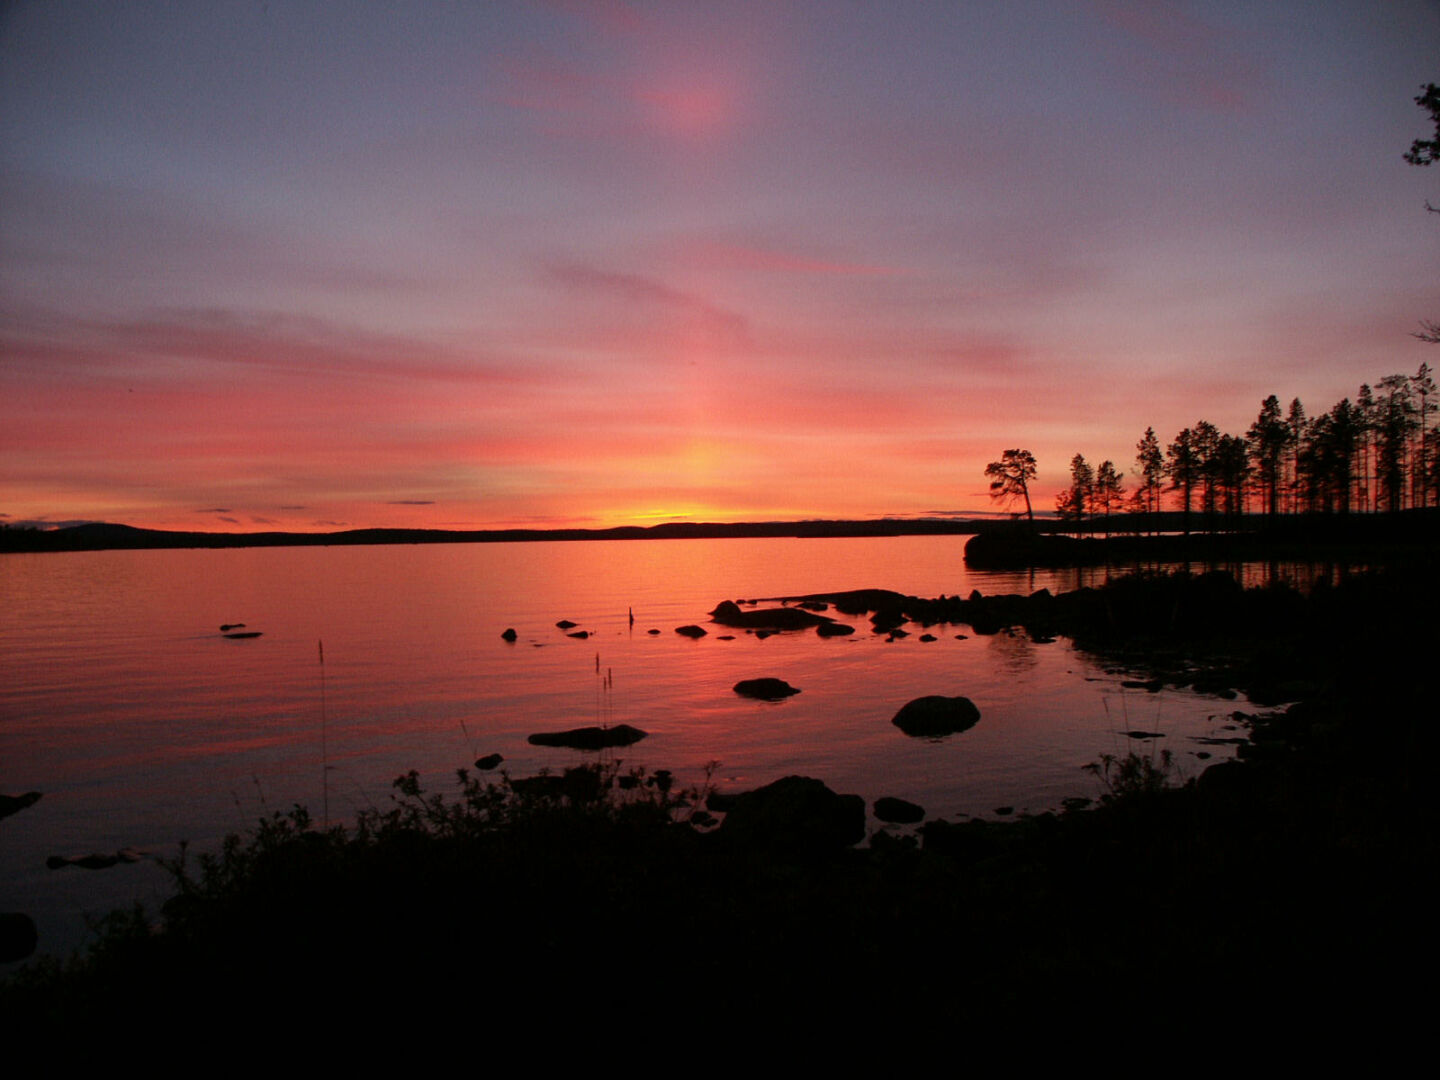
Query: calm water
(143, 726)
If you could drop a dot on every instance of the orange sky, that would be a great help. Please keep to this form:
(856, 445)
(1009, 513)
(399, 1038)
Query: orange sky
(546, 264)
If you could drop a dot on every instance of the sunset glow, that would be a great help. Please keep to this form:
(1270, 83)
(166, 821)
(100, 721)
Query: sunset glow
(309, 266)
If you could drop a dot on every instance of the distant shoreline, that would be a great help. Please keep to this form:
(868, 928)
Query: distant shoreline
(105, 537)
(1008, 543)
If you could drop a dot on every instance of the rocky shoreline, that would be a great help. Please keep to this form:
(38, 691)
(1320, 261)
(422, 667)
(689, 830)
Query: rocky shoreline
(1294, 878)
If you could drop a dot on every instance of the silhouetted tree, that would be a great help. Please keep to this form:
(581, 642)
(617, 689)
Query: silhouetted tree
(1150, 462)
(1109, 491)
(1231, 469)
(1267, 440)
(1082, 485)
(1426, 152)
(1183, 466)
(1366, 410)
(1205, 440)
(1422, 387)
(1335, 442)
(1395, 423)
(1295, 435)
(1010, 478)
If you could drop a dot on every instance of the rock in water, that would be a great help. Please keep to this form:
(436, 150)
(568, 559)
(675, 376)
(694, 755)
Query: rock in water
(898, 811)
(589, 738)
(728, 613)
(510, 635)
(691, 631)
(13, 804)
(766, 689)
(489, 761)
(931, 717)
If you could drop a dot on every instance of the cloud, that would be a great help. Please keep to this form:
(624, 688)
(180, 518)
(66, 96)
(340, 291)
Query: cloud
(270, 341)
(46, 524)
(747, 257)
(1185, 59)
(647, 293)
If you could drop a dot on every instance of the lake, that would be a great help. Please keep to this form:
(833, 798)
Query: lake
(143, 726)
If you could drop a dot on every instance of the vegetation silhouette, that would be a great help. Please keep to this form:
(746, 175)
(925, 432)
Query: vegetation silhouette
(1010, 479)
(1426, 152)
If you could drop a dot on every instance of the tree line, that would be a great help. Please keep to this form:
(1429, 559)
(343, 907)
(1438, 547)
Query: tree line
(1375, 454)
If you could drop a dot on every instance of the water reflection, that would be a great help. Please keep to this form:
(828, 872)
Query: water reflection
(1011, 651)
(122, 702)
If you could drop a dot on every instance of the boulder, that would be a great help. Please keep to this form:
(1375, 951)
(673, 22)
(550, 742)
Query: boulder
(728, 613)
(691, 631)
(934, 716)
(565, 624)
(766, 689)
(898, 811)
(796, 814)
(510, 635)
(834, 629)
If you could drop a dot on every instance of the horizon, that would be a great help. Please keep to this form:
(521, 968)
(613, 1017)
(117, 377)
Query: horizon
(318, 267)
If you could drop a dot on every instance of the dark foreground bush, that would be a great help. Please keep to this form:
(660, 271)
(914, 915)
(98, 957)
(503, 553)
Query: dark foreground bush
(588, 907)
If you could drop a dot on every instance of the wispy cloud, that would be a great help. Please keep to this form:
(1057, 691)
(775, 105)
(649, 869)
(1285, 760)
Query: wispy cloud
(1184, 58)
(646, 293)
(746, 257)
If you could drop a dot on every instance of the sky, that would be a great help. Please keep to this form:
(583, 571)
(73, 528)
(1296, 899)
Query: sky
(320, 265)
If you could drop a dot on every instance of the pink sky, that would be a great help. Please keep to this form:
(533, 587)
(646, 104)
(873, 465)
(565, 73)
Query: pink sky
(311, 265)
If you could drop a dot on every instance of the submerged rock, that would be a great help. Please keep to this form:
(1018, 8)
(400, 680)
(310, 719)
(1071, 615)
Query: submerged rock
(934, 716)
(766, 689)
(589, 738)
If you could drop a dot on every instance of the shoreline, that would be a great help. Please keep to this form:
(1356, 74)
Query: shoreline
(996, 544)
(1296, 868)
